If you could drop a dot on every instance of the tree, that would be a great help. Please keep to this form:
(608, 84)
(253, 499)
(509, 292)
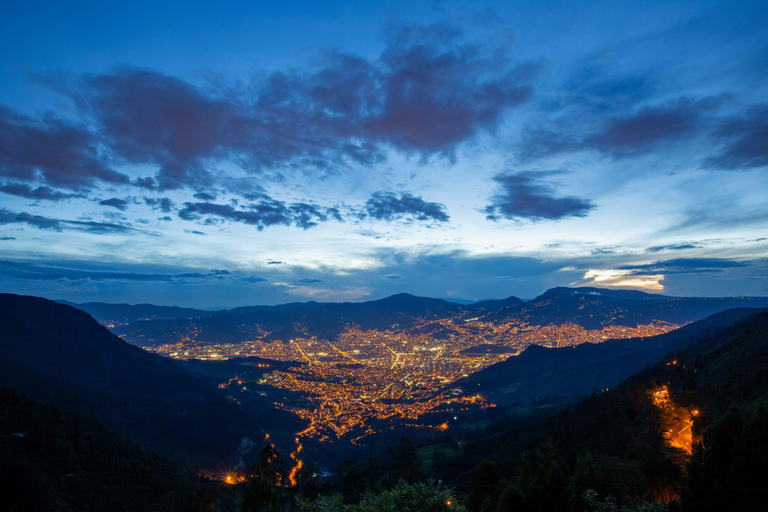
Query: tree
(422, 497)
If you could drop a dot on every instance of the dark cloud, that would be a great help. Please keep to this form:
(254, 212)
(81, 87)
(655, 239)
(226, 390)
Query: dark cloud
(263, 213)
(163, 204)
(120, 204)
(623, 136)
(524, 195)
(436, 89)
(146, 183)
(602, 251)
(36, 221)
(306, 281)
(166, 218)
(542, 142)
(7, 238)
(429, 90)
(205, 196)
(151, 118)
(272, 262)
(648, 126)
(103, 228)
(673, 247)
(44, 272)
(40, 222)
(390, 206)
(685, 266)
(193, 232)
(41, 192)
(746, 141)
(70, 157)
(255, 279)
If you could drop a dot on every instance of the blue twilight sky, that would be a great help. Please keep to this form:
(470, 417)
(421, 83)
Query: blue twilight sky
(215, 154)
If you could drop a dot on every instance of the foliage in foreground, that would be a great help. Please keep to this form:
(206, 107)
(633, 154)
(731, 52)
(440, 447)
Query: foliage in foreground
(422, 497)
(608, 504)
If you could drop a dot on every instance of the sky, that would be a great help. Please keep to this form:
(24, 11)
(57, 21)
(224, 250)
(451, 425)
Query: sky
(219, 154)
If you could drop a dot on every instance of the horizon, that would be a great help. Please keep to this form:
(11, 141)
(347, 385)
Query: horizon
(344, 152)
(214, 309)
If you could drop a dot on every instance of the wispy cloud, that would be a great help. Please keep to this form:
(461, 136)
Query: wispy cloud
(44, 272)
(46, 223)
(674, 247)
(744, 141)
(684, 266)
(115, 202)
(41, 192)
(621, 136)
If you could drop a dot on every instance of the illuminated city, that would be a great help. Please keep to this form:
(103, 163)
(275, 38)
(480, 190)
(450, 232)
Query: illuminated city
(357, 383)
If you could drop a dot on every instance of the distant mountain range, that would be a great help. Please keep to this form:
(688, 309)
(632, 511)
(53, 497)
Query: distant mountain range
(126, 313)
(591, 308)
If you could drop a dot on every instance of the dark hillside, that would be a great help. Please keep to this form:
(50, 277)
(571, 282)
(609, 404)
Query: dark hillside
(629, 443)
(58, 354)
(55, 460)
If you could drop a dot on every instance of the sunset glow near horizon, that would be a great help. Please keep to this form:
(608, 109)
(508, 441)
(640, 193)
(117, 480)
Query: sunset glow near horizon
(230, 154)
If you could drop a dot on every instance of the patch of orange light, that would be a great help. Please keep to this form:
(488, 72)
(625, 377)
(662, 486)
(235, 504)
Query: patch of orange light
(232, 478)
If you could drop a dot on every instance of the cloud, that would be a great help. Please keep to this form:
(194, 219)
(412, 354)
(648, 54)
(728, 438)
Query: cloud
(163, 204)
(623, 279)
(205, 196)
(41, 192)
(47, 272)
(264, 213)
(650, 125)
(592, 89)
(36, 221)
(40, 222)
(602, 251)
(673, 247)
(255, 279)
(70, 159)
(306, 281)
(523, 195)
(151, 118)
(7, 238)
(684, 266)
(193, 232)
(429, 90)
(103, 228)
(390, 206)
(623, 136)
(272, 262)
(120, 204)
(436, 89)
(745, 141)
